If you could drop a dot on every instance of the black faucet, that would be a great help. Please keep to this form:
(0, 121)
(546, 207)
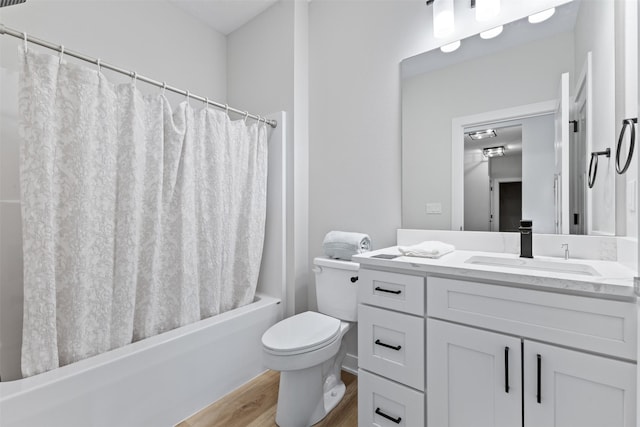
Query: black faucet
(526, 238)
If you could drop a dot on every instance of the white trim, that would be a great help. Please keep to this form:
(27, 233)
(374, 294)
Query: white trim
(350, 364)
(458, 124)
(585, 84)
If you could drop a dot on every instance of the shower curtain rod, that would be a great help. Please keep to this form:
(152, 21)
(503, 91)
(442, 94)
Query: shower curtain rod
(132, 74)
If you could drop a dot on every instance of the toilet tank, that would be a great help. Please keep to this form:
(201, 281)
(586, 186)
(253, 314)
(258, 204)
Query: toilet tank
(337, 288)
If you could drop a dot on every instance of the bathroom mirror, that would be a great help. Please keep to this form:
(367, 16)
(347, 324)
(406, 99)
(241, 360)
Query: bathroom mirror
(532, 76)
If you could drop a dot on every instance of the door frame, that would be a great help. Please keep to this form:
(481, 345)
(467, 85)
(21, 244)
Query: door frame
(458, 124)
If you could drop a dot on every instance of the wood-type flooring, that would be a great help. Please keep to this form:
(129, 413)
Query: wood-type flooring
(254, 405)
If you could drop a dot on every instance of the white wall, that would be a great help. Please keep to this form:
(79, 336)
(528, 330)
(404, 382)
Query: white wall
(505, 167)
(355, 154)
(132, 35)
(523, 75)
(626, 77)
(538, 167)
(477, 191)
(594, 32)
(267, 68)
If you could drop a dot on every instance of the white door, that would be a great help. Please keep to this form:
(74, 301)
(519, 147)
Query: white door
(567, 388)
(474, 377)
(561, 145)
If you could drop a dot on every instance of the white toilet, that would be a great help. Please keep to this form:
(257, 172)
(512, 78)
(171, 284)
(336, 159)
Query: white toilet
(307, 348)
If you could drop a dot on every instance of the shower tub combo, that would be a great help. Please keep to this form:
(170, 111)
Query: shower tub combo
(158, 381)
(163, 379)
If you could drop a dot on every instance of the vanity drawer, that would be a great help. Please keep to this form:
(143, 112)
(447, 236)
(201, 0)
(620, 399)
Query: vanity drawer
(378, 397)
(593, 324)
(391, 344)
(401, 292)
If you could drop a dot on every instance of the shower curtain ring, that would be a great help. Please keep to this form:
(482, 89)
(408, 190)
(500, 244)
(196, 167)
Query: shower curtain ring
(26, 48)
(246, 115)
(226, 108)
(164, 87)
(98, 64)
(206, 102)
(134, 76)
(188, 95)
(61, 54)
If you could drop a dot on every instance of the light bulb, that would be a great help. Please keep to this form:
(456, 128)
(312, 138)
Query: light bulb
(443, 24)
(450, 47)
(542, 16)
(489, 34)
(487, 9)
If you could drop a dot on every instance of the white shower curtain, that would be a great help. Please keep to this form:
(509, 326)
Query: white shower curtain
(136, 219)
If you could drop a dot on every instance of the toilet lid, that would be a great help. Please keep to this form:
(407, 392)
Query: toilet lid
(302, 332)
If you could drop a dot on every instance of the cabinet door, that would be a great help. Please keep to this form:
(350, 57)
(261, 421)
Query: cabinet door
(473, 377)
(568, 388)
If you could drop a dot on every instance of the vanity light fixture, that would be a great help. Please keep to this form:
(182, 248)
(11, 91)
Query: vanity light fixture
(536, 18)
(443, 24)
(494, 32)
(487, 9)
(493, 151)
(482, 134)
(450, 47)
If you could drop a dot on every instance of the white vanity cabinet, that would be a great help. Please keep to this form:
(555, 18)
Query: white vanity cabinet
(391, 349)
(505, 376)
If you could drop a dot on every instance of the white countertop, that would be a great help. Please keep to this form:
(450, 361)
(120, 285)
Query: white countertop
(614, 280)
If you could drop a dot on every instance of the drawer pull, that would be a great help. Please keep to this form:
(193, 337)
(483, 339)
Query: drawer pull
(506, 369)
(398, 292)
(393, 347)
(390, 418)
(539, 394)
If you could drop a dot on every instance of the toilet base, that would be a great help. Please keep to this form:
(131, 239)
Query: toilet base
(305, 409)
(322, 389)
(332, 397)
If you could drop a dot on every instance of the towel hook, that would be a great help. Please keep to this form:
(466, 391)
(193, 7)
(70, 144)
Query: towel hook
(632, 141)
(593, 165)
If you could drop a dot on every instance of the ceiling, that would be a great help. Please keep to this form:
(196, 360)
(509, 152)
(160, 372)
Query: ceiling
(224, 16)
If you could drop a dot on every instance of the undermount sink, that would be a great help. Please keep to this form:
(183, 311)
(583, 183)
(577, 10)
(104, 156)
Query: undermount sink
(559, 266)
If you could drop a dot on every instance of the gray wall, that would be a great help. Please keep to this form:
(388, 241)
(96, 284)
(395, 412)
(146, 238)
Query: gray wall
(476, 191)
(538, 163)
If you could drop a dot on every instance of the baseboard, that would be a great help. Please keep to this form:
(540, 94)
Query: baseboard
(350, 364)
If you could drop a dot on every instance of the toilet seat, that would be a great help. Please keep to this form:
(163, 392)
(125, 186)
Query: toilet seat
(301, 333)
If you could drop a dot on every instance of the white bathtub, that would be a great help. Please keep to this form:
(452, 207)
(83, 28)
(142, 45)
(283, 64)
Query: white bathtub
(158, 381)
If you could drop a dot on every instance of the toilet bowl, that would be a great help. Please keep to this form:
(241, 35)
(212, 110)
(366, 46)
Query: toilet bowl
(308, 349)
